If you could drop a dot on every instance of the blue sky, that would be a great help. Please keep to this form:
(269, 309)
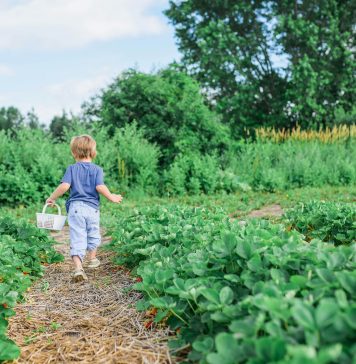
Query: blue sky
(56, 54)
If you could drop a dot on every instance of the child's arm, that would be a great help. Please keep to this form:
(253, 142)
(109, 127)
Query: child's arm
(103, 190)
(58, 192)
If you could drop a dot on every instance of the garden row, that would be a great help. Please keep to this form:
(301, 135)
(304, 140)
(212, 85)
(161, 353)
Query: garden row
(257, 293)
(23, 248)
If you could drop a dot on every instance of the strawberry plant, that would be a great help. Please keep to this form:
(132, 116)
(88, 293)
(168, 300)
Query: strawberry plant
(329, 221)
(23, 248)
(242, 294)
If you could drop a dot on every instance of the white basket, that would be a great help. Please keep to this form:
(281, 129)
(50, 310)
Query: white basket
(50, 221)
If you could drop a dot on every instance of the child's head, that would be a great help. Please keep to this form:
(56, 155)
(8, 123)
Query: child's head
(83, 147)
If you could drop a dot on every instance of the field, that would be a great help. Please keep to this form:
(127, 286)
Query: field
(243, 254)
(234, 281)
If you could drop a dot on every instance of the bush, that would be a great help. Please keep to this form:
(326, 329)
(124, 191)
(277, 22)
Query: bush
(131, 161)
(170, 107)
(32, 164)
(193, 173)
(270, 166)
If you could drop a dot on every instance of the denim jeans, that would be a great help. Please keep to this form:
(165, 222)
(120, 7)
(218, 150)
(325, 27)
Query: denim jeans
(84, 228)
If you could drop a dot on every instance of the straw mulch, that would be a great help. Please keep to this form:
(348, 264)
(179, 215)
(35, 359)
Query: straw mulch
(93, 322)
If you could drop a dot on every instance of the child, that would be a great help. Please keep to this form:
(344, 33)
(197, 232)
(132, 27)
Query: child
(85, 181)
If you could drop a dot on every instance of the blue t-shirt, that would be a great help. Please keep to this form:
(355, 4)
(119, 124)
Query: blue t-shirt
(83, 178)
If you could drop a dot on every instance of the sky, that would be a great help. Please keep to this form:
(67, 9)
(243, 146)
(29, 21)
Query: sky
(56, 54)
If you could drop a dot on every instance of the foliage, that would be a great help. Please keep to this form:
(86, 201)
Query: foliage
(129, 160)
(170, 107)
(23, 248)
(255, 293)
(269, 166)
(10, 118)
(232, 46)
(329, 221)
(192, 173)
(32, 164)
(60, 125)
(319, 38)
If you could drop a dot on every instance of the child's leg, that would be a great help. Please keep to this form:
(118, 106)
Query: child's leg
(93, 233)
(78, 235)
(77, 262)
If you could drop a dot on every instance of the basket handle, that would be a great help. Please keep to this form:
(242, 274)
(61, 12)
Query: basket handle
(58, 208)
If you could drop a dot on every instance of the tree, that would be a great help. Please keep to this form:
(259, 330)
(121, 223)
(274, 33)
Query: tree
(32, 120)
(319, 37)
(10, 118)
(59, 124)
(168, 106)
(228, 45)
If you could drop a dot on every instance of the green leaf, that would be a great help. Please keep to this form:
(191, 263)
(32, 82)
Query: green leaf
(330, 353)
(350, 317)
(161, 315)
(325, 312)
(326, 275)
(341, 298)
(232, 278)
(211, 295)
(162, 276)
(8, 349)
(214, 358)
(270, 349)
(163, 302)
(226, 295)
(243, 249)
(299, 281)
(255, 263)
(347, 280)
(302, 353)
(303, 315)
(227, 347)
(203, 345)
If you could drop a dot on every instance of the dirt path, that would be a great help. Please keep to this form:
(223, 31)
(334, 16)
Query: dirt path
(267, 211)
(95, 322)
(264, 212)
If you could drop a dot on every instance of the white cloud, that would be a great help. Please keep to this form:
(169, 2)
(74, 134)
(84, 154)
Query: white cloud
(3, 100)
(74, 89)
(61, 24)
(70, 94)
(5, 70)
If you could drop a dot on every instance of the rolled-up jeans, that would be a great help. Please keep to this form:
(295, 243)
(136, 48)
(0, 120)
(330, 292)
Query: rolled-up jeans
(84, 228)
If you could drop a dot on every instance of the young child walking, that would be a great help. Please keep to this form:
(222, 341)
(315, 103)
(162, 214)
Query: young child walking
(85, 181)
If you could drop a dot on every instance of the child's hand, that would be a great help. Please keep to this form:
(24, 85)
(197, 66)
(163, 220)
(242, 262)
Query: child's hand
(50, 201)
(116, 198)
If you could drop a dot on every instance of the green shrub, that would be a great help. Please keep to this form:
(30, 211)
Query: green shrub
(32, 164)
(271, 166)
(193, 173)
(168, 105)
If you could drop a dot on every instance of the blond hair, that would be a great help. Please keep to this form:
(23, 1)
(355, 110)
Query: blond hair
(83, 146)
